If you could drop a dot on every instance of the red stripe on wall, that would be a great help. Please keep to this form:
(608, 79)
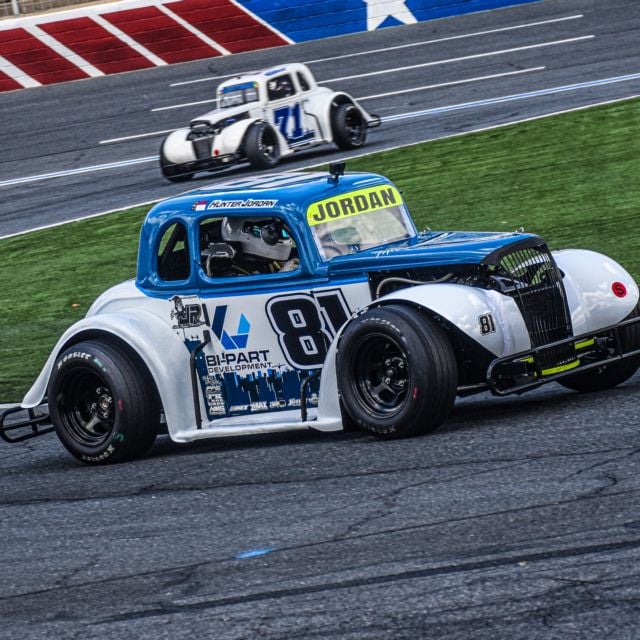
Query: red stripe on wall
(227, 24)
(160, 34)
(36, 59)
(7, 83)
(96, 45)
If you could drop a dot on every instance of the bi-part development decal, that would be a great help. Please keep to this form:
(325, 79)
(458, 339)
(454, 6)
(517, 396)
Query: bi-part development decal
(259, 357)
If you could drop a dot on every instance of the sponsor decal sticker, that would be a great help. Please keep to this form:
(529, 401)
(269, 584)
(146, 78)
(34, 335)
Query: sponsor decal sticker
(353, 203)
(242, 204)
(200, 205)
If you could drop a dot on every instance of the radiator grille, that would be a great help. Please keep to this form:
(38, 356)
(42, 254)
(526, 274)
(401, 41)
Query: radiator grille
(202, 147)
(540, 296)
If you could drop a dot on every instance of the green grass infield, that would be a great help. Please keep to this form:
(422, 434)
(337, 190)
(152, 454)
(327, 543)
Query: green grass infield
(572, 178)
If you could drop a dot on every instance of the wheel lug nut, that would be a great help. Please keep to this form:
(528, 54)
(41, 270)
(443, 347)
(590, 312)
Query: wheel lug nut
(401, 383)
(387, 362)
(387, 380)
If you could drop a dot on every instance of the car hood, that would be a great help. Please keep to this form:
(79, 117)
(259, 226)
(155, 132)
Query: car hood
(211, 117)
(428, 249)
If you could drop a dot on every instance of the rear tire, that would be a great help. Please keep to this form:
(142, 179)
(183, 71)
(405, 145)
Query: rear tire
(397, 372)
(348, 126)
(609, 375)
(102, 403)
(261, 146)
(171, 171)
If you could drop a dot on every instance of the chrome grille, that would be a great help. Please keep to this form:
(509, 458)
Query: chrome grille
(538, 291)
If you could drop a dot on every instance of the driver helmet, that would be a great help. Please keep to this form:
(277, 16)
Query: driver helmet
(264, 238)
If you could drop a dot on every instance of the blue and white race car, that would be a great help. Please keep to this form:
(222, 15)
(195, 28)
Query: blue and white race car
(262, 117)
(311, 301)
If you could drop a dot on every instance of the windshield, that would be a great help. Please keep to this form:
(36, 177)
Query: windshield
(359, 220)
(236, 94)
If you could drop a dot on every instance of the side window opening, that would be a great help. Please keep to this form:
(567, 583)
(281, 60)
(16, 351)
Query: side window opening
(304, 85)
(280, 87)
(240, 246)
(173, 253)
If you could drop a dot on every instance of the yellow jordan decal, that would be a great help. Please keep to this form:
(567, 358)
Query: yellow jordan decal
(353, 204)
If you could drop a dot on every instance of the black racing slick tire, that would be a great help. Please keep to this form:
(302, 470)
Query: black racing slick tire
(609, 375)
(348, 126)
(171, 171)
(397, 372)
(261, 146)
(102, 403)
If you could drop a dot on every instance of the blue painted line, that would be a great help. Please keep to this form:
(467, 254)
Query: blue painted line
(73, 172)
(254, 553)
(513, 97)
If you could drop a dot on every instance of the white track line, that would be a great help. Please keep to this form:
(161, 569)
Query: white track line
(450, 84)
(347, 157)
(404, 46)
(515, 96)
(185, 104)
(73, 172)
(151, 134)
(399, 116)
(474, 56)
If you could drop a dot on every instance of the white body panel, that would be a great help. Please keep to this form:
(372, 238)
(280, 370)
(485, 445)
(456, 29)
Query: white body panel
(252, 356)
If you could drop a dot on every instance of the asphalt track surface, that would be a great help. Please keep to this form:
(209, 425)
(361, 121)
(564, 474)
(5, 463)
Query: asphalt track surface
(518, 519)
(523, 52)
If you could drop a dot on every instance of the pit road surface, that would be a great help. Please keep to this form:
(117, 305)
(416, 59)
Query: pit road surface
(80, 148)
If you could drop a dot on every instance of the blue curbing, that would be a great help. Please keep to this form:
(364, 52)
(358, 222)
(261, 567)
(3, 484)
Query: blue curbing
(304, 20)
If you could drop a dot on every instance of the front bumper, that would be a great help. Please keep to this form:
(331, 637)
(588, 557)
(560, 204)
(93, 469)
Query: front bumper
(532, 368)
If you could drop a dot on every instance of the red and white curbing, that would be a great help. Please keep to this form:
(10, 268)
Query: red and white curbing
(125, 36)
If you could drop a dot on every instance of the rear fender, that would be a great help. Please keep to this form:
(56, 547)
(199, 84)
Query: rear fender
(163, 353)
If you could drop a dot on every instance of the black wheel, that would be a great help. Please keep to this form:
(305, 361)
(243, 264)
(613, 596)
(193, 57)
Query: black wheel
(102, 403)
(609, 375)
(348, 126)
(261, 146)
(171, 171)
(397, 372)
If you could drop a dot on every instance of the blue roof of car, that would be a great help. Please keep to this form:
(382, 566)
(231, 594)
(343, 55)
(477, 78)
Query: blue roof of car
(294, 188)
(290, 195)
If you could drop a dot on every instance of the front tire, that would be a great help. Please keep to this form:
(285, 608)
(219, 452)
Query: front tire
(171, 171)
(348, 126)
(609, 375)
(261, 146)
(397, 372)
(102, 403)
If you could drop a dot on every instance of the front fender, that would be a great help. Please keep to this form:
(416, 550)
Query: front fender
(159, 348)
(177, 149)
(588, 280)
(460, 305)
(228, 141)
